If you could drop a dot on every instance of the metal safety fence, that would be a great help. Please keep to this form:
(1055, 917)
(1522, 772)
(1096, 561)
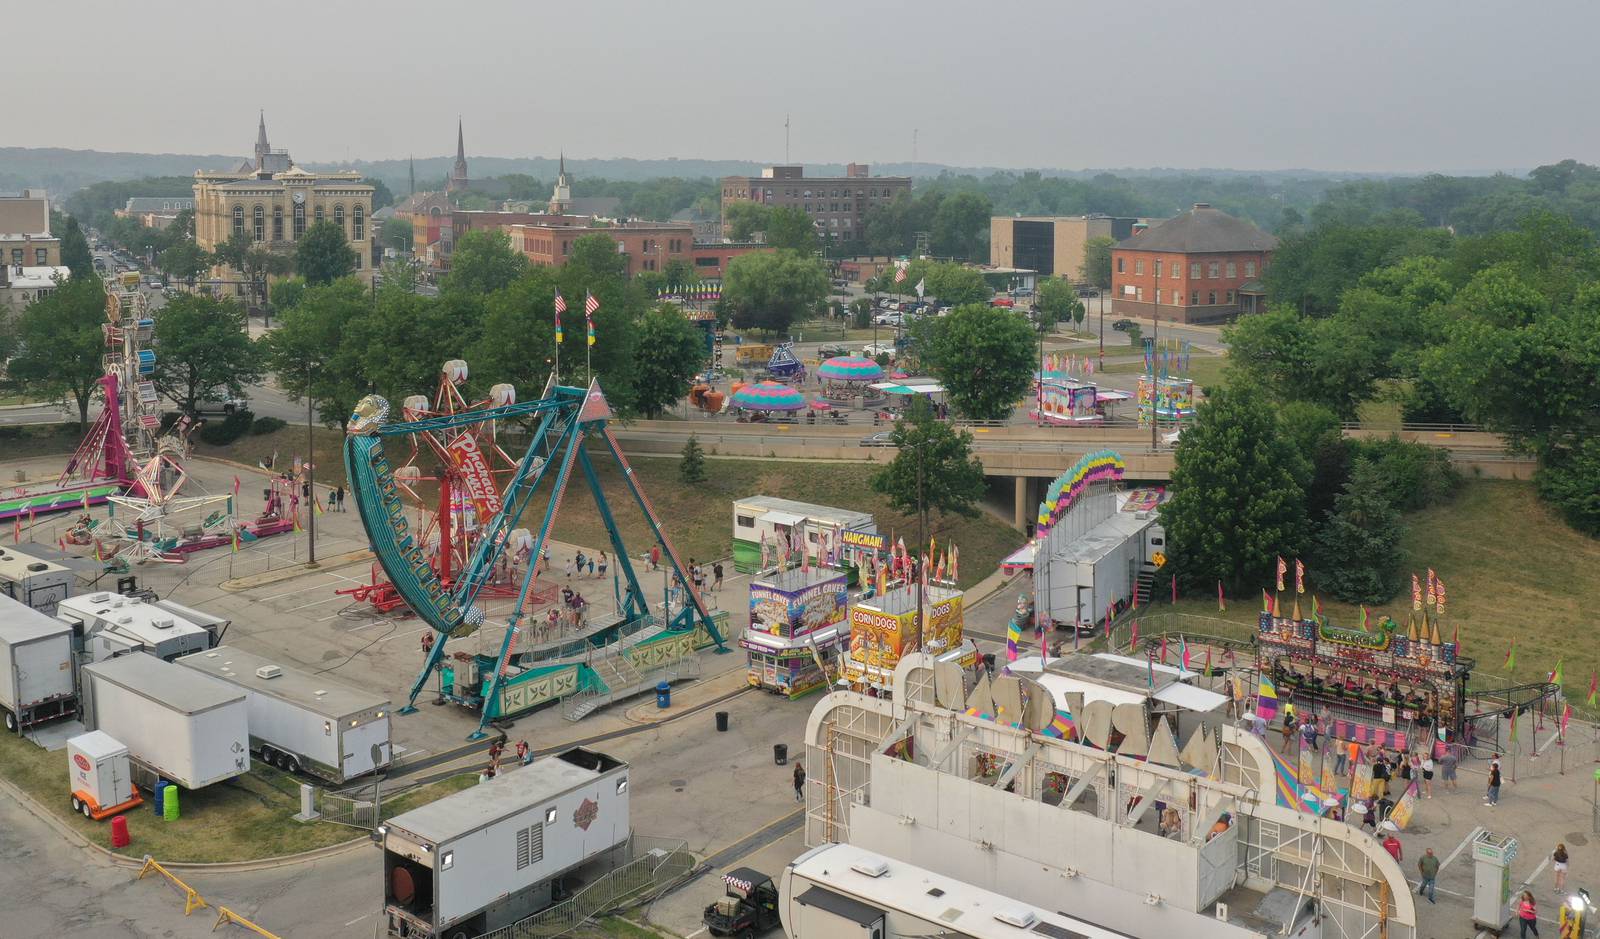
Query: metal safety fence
(358, 808)
(655, 866)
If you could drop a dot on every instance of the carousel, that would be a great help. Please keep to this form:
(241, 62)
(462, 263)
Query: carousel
(849, 380)
(760, 401)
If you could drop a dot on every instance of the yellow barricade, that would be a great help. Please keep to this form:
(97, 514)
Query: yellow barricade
(191, 899)
(225, 915)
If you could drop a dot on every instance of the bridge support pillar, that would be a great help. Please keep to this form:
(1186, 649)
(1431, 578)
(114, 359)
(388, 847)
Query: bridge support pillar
(1019, 519)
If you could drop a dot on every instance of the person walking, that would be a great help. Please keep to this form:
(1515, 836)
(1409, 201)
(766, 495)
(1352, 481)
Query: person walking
(655, 557)
(1558, 864)
(1391, 844)
(1428, 867)
(1492, 797)
(799, 782)
(1341, 758)
(604, 561)
(1527, 915)
(1288, 732)
(716, 576)
(340, 494)
(1447, 765)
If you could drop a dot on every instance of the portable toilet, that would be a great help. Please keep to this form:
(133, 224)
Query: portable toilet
(97, 766)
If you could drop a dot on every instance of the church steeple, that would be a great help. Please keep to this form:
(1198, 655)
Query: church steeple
(561, 198)
(458, 173)
(262, 147)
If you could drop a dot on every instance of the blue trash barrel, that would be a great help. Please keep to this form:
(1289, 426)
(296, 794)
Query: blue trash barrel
(663, 695)
(160, 795)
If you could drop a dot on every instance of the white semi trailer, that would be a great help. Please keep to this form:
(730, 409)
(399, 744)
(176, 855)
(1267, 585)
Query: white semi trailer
(177, 723)
(300, 722)
(489, 856)
(38, 583)
(36, 680)
(109, 624)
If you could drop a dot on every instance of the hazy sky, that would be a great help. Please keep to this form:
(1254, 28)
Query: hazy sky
(1401, 85)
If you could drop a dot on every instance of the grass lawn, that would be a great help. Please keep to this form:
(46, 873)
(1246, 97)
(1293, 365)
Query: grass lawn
(20, 442)
(1513, 569)
(1206, 370)
(245, 819)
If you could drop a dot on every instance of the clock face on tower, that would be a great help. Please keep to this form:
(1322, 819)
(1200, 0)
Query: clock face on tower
(299, 197)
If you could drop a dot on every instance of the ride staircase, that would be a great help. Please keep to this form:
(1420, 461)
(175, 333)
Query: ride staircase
(615, 677)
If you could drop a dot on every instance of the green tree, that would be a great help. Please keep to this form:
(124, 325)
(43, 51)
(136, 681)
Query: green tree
(1237, 503)
(933, 470)
(1096, 269)
(954, 284)
(769, 291)
(203, 351)
(309, 353)
(1331, 362)
(517, 342)
(595, 258)
(1056, 301)
(1358, 550)
(744, 219)
(260, 265)
(397, 234)
(675, 351)
(679, 273)
(184, 262)
(692, 466)
(961, 226)
(183, 224)
(75, 254)
(286, 293)
(324, 255)
(985, 357)
(59, 344)
(483, 262)
(1569, 479)
(381, 196)
(402, 340)
(791, 228)
(861, 313)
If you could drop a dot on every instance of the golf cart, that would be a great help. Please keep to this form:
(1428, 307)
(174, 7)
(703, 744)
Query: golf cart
(750, 907)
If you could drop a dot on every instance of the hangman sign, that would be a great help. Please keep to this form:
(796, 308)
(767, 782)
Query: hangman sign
(861, 539)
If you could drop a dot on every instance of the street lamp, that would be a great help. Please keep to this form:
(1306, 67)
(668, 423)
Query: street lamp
(311, 481)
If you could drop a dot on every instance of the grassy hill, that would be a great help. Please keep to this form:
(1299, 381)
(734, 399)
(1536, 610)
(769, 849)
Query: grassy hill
(1513, 569)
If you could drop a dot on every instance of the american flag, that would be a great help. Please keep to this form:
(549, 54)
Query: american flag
(900, 276)
(590, 305)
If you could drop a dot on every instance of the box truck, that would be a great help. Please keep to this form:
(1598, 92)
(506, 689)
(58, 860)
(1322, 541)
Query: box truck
(489, 856)
(177, 723)
(38, 583)
(100, 775)
(300, 722)
(36, 680)
(105, 625)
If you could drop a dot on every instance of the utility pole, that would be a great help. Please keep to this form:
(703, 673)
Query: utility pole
(922, 539)
(1155, 354)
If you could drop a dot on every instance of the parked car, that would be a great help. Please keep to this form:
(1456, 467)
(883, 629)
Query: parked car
(223, 406)
(873, 350)
(1122, 325)
(1004, 302)
(889, 319)
(1086, 293)
(830, 349)
(883, 438)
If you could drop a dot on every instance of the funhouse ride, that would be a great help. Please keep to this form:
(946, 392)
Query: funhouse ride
(517, 677)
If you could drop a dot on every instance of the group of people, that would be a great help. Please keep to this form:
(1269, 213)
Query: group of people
(1351, 690)
(497, 752)
(580, 564)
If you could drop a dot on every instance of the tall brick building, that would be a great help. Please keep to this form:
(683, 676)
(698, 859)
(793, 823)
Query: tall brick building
(837, 204)
(1202, 266)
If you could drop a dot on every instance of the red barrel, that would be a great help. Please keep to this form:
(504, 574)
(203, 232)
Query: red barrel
(119, 831)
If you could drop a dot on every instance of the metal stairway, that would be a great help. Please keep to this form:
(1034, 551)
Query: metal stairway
(622, 679)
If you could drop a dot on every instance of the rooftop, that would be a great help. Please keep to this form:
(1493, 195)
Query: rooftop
(33, 278)
(326, 696)
(505, 795)
(1201, 230)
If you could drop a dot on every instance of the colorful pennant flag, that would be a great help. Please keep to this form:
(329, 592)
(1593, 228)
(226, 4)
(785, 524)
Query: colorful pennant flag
(1266, 698)
(1366, 619)
(1283, 568)
(1432, 593)
(1222, 602)
(1594, 688)
(1566, 718)
(1510, 663)
(1438, 596)
(1266, 599)
(236, 541)
(1133, 640)
(1416, 593)
(1299, 576)
(1207, 669)
(1184, 650)
(1556, 674)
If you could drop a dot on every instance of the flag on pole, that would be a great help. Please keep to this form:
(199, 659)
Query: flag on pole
(900, 275)
(1556, 674)
(1266, 599)
(1222, 602)
(1266, 698)
(590, 307)
(235, 484)
(1150, 672)
(561, 307)
(1133, 639)
(1183, 656)
(236, 541)
(1416, 593)
(1594, 688)
(1108, 621)
(1275, 613)
(1366, 619)
(1438, 596)
(1207, 667)
(1432, 594)
(921, 285)
(1566, 718)
(1510, 663)
(1299, 576)
(1316, 607)
(1283, 568)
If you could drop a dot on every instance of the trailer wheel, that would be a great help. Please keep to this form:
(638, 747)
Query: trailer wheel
(290, 764)
(87, 811)
(77, 804)
(11, 721)
(461, 934)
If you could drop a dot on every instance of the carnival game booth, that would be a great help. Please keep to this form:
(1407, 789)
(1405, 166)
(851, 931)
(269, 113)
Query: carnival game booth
(1064, 395)
(851, 381)
(884, 628)
(770, 527)
(797, 625)
(1382, 686)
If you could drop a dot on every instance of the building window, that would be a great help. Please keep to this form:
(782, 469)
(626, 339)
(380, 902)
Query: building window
(277, 223)
(1177, 297)
(1194, 270)
(1175, 268)
(1233, 271)
(238, 221)
(1158, 295)
(1212, 270)
(1230, 296)
(1194, 298)
(1120, 268)
(41, 256)
(358, 260)
(1138, 265)
(564, 247)
(1249, 268)
(260, 224)
(318, 215)
(16, 256)
(1211, 298)
(338, 216)
(1138, 293)
(299, 220)
(358, 224)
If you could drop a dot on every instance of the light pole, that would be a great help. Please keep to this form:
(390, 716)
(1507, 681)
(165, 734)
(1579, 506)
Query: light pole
(1102, 364)
(311, 481)
(1155, 351)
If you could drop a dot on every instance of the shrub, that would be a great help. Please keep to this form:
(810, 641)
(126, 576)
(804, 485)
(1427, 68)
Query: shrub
(267, 425)
(1414, 475)
(1569, 479)
(229, 429)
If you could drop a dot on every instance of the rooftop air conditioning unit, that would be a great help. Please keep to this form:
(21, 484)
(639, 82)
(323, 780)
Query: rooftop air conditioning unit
(1017, 916)
(166, 623)
(268, 671)
(872, 867)
(100, 598)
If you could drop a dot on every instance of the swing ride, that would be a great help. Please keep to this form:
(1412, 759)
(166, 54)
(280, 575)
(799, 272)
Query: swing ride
(449, 567)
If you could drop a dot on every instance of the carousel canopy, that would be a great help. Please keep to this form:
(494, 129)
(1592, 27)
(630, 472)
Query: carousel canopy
(850, 368)
(768, 396)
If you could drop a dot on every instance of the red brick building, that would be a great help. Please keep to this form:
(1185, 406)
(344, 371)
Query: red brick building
(1202, 266)
(837, 204)
(711, 258)
(647, 246)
